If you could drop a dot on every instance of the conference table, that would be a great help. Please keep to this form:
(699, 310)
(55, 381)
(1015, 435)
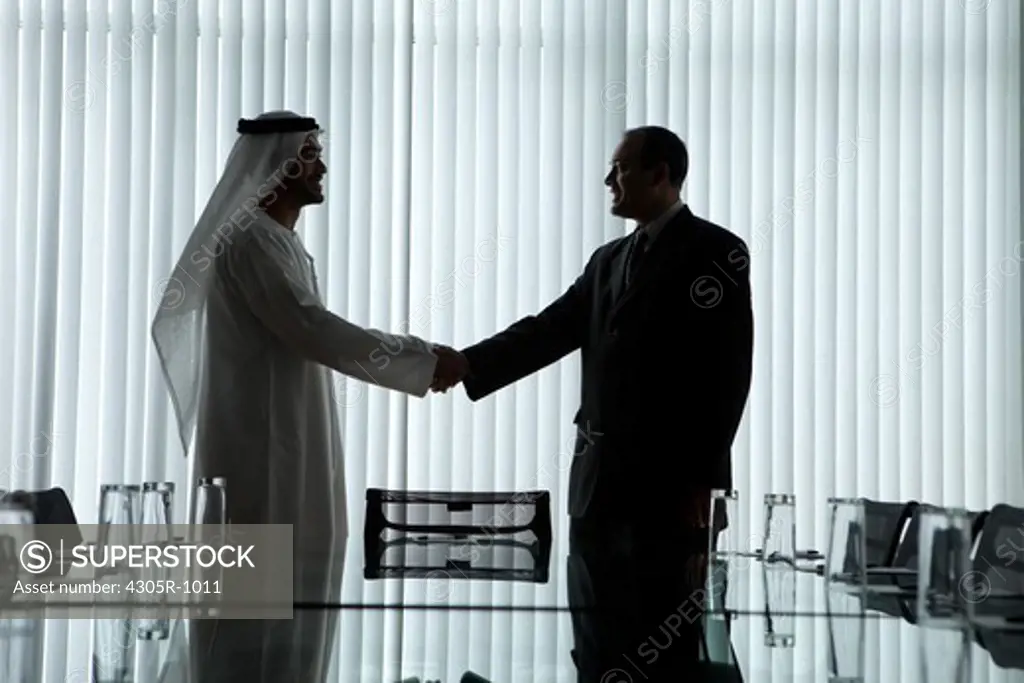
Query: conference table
(762, 623)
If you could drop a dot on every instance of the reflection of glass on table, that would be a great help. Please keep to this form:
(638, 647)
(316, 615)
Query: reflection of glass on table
(845, 637)
(780, 603)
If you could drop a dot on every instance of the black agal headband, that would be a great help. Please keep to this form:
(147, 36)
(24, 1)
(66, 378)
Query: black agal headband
(282, 125)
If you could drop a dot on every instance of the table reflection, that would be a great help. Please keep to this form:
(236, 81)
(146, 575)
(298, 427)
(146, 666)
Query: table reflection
(756, 623)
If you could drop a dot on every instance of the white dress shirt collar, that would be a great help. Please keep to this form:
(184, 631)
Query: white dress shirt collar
(654, 227)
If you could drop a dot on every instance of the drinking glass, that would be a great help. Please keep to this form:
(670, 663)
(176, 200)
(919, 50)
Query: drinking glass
(113, 654)
(209, 502)
(157, 502)
(943, 552)
(779, 528)
(119, 512)
(728, 554)
(944, 608)
(208, 524)
(724, 538)
(845, 563)
(155, 530)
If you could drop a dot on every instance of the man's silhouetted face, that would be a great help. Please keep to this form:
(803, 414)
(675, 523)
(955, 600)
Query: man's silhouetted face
(637, 192)
(304, 174)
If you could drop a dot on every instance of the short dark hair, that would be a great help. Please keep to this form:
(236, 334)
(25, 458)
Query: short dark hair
(662, 146)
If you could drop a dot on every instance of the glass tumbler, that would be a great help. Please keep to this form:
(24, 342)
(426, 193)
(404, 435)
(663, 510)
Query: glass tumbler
(119, 503)
(724, 538)
(208, 526)
(779, 529)
(729, 555)
(209, 502)
(945, 605)
(944, 547)
(119, 513)
(154, 531)
(845, 561)
(113, 653)
(157, 502)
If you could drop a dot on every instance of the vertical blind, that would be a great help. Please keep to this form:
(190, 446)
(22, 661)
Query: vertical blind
(868, 152)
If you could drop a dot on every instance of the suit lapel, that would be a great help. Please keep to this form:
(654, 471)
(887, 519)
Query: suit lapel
(665, 252)
(617, 272)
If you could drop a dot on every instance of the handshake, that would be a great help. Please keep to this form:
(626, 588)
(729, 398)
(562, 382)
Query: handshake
(451, 368)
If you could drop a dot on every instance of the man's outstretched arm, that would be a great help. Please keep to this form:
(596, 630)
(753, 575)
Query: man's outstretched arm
(529, 344)
(295, 315)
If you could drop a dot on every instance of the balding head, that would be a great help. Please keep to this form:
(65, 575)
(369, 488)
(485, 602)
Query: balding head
(649, 166)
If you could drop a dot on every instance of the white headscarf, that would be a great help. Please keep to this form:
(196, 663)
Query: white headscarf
(253, 172)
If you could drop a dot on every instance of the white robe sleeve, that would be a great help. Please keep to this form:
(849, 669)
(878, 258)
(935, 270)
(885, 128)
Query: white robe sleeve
(278, 297)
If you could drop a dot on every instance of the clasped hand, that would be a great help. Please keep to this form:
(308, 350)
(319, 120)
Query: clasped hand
(451, 368)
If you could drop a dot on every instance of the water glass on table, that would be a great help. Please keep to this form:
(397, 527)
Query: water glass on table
(724, 541)
(157, 502)
(944, 608)
(846, 558)
(730, 555)
(119, 513)
(113, 641)
(209, 502)
(778, 569)
(943, 551)
(208, 526)
(779, 529)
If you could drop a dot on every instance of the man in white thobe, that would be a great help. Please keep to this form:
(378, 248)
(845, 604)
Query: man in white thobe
(247, 348)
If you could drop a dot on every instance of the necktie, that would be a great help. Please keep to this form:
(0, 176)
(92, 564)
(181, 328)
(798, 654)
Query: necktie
(636, 256)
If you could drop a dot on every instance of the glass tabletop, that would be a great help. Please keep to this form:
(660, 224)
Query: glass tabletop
(846, 649)
(399, 645)
(759, 622)
(443, 573)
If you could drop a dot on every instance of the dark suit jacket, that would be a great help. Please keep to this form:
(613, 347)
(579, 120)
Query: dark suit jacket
(666, 368)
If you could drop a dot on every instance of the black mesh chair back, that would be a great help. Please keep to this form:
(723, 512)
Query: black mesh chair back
(996, 583)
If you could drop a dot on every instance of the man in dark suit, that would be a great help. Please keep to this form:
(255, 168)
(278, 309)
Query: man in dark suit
(663, 320)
